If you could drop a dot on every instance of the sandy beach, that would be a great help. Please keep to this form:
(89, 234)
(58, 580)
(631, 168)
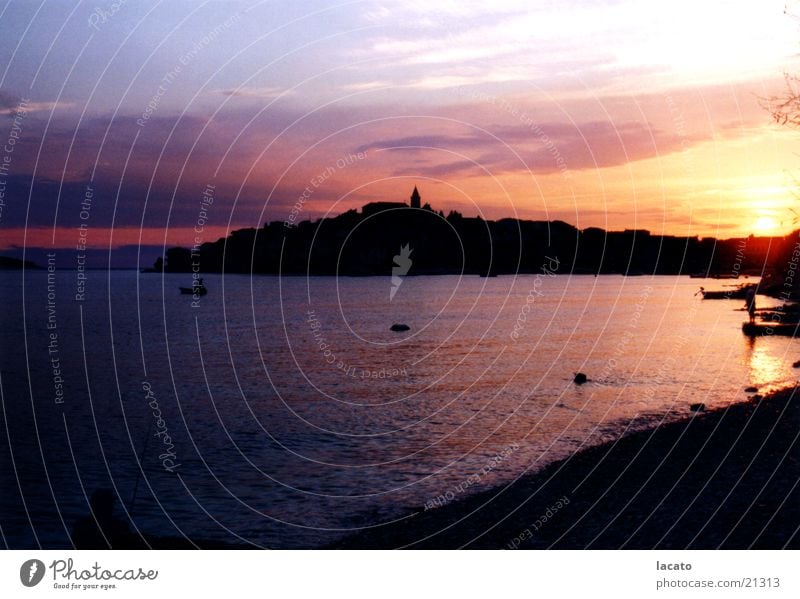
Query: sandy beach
(724, 479)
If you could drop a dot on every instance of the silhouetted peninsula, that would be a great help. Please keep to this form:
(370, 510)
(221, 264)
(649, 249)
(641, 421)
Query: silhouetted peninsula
(9, 263)
(359, 243)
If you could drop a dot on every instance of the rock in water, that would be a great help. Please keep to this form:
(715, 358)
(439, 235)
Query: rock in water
(399, 328)
(580, 378)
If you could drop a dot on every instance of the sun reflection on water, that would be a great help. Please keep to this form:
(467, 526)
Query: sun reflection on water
(765, 366)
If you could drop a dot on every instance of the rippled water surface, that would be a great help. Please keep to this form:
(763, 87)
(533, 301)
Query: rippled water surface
(295, 414)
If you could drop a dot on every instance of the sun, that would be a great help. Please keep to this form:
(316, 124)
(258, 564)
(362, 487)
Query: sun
(765, 224)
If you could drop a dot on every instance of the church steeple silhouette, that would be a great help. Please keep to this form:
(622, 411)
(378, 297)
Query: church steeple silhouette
(415, 198)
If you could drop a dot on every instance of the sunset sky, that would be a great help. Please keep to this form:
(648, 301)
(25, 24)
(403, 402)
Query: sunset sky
(612, 114)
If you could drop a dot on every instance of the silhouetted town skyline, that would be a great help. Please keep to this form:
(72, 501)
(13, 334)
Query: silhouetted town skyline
(364, 242)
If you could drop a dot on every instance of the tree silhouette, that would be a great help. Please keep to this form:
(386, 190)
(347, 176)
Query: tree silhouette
(785, 108)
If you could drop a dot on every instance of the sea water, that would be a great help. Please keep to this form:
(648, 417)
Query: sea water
(284, 412)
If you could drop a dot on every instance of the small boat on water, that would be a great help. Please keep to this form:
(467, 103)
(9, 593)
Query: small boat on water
(193, 290)
(711, 275)
(735, 292)
(198, 289)
(767, 329)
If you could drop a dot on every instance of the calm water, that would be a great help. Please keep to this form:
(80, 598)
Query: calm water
(295, 414)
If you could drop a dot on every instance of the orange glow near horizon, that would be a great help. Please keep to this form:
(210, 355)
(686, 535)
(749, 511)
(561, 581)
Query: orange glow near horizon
(100, 238)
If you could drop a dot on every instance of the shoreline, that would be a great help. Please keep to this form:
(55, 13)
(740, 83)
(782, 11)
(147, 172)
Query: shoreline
(723, 479)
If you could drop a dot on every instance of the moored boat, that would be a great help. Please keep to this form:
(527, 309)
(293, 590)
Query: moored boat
(735, 292)
(198, 288)
(752, 329)
(193, 290)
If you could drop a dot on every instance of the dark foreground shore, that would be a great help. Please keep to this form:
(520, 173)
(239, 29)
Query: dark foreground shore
(724, 479)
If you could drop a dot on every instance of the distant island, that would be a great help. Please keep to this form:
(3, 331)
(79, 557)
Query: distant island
(365, 242)
(9, 263)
